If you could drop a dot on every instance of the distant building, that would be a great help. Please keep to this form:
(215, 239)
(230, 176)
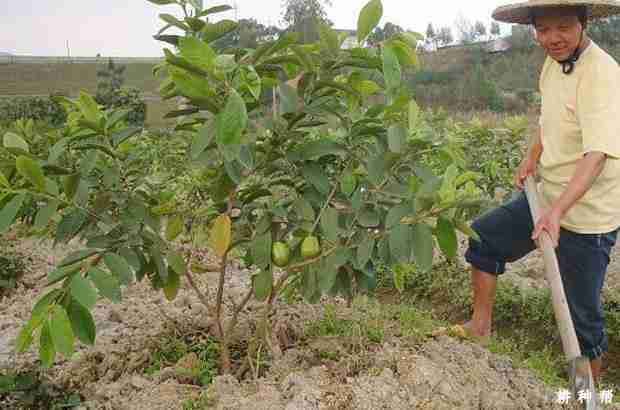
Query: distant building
(497, 46)
(350, 40)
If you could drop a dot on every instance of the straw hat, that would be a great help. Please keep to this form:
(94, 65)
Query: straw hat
(519, 13)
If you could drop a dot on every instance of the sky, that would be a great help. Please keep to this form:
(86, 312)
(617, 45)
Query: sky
(124, 28)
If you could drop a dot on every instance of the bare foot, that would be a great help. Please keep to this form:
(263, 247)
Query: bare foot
(477, 330)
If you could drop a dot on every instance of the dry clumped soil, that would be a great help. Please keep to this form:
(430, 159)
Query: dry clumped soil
(443, 373)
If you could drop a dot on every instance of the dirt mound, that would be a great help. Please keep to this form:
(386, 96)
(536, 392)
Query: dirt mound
(440, 374)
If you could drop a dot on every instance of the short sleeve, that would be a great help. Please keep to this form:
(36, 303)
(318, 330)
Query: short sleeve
(598, 109)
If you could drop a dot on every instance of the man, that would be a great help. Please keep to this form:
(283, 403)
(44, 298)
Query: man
(577, 153)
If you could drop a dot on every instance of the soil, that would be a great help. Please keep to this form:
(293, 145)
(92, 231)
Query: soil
(442, 373)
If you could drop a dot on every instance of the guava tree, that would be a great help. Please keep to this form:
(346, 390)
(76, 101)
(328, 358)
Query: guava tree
(314, 195)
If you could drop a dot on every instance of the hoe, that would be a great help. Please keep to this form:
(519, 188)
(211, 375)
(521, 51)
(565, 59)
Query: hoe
(579, 366)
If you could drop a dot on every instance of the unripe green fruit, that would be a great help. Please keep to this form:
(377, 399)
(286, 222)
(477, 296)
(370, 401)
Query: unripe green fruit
(310, 247)
(280, 254)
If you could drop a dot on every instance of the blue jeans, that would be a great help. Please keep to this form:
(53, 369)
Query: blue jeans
(505, 236)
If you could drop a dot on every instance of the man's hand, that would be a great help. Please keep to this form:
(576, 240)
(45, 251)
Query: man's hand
(527, 168)
(550, 222)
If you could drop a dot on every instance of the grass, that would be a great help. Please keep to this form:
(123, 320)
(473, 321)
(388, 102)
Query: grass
(172, 349)
(524, 323)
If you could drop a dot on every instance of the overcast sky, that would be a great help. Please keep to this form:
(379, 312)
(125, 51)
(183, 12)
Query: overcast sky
(124, 28)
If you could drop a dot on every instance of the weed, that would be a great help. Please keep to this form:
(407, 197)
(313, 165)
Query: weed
(30, 390)
(172, 349)
(200, 403)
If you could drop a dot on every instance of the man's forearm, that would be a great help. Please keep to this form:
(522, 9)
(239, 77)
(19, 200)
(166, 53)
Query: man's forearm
(588, 169)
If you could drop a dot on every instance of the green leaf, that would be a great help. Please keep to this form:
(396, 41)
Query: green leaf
(221, 235)
(77, 256)
(367, 87)
(174, 227)
(414, 115)
(162, 2)
(59, 274)
(173, 21)
(327, 276)
(172, 285)
(232, 121)
(377, 166)
(348, 183)
(82, 323)
(305, 213)
(252, 81)
(107, 284)
(261, 250)
(215, 9)
(397, 138)
(406, 55)
(119, 267)
(12, 140)
(368, 19)
(135, 260)
(70, 185)
(399, 278)
(41, 308)
(116, 116)
(197, 52)
(465, 228)
(32, 171)
(329, 224)
(446, 237)
(329, 38)
(160, 265)
(24, 338)
(364, 251)
(314, 174)
(289, 99)
(396, 214)
(9, 212)
(317, 149)
(391, 69)
(369, 218)
(423, 247)
(89, 108)
(83, 291)
(61, 331)
(263, 284)
(70, 225)
(196, 88)
(177, 262)
(47, 351)
(201, 140)
(400, 241)
(214, 31)
(124, 135)
(3, 181)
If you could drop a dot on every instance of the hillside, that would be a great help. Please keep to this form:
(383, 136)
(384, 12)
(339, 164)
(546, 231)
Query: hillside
(42, 79)
(466, 78)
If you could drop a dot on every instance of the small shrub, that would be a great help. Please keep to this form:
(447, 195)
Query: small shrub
(35, 108)
(28, 390)
(11, 270)
(126, 98)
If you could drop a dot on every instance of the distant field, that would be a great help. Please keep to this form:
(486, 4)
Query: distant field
(43, 79)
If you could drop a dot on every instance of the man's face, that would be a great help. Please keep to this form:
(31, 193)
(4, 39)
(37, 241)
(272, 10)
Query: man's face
(559, 35)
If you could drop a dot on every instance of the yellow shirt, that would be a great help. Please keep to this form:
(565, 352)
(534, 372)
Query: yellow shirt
(581, 113)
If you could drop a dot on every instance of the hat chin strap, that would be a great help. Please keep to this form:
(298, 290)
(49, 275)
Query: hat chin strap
(568, 65)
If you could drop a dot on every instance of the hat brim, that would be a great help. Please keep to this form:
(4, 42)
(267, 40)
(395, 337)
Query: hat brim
(520, 13)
